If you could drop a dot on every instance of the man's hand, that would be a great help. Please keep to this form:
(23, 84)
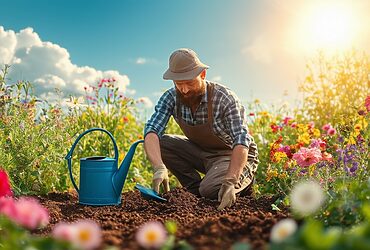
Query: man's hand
(160, 175)
(226, 195)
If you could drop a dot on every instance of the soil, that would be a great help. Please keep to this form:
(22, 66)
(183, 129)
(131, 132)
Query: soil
(198, 220)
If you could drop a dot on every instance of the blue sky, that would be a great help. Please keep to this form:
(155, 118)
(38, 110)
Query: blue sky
(253, 47)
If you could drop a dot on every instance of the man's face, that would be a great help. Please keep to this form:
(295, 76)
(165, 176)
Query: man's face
(190, 91)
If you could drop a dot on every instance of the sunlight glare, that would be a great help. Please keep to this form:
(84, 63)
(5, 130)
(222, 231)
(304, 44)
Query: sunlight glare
(329, 27)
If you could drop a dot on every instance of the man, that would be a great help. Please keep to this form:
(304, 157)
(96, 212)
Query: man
(216, 141)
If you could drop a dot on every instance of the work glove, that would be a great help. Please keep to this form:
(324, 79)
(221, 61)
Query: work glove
(226, 195)
(160, 176)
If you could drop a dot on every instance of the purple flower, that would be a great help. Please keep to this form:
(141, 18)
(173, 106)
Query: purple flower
(353, 168)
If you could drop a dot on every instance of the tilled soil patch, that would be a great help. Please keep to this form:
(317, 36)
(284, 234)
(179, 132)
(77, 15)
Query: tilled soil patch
(199, 222)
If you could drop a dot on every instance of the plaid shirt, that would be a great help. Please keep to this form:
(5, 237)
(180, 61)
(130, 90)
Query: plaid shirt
(229, 116)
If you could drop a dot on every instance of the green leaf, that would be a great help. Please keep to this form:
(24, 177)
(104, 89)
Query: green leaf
(171, 226)
(275, 208)
(240, 246)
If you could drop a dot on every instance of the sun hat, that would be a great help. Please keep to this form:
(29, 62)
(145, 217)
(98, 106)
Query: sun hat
(184, 64)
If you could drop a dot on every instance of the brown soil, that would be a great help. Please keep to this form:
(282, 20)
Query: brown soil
(199, 222)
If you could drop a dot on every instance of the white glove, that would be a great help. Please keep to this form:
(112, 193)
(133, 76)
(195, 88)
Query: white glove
(160, 175)
(226, 195)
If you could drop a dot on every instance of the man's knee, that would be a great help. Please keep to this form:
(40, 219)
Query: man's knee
(209, 190)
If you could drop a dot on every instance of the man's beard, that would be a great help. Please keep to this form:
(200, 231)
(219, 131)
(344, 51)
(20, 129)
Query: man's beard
(192, 99)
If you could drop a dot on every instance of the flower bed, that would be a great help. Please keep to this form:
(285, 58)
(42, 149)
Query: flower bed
(198, 221)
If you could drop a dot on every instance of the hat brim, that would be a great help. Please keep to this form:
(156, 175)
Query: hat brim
(189, 75)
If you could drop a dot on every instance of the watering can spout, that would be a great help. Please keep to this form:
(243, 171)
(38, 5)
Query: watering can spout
(119, 177)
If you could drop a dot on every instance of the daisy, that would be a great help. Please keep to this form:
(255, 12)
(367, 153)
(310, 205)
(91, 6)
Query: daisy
(151, 235)
(307, 197)
(282, 230)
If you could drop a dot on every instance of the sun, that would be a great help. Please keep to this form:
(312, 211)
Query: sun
(327, 26)
(331, 27)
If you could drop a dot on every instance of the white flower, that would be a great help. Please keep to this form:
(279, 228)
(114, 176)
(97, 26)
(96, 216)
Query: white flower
(87, 235)
(84, 234)
(151, 235)
(283, 229)
(307, 197)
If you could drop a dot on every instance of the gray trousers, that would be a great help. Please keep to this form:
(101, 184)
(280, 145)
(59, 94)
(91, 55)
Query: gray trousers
(185, 160)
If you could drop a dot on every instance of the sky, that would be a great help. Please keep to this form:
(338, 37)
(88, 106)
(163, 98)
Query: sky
(257, 48)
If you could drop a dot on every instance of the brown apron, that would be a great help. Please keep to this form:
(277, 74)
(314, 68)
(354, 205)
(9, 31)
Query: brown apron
(202, 134)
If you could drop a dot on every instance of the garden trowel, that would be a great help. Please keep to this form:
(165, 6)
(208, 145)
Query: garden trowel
(149, 193)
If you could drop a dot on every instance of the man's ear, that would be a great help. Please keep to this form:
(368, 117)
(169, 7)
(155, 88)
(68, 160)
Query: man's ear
(203, 74)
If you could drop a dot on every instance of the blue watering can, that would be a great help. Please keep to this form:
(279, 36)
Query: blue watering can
(101, 181)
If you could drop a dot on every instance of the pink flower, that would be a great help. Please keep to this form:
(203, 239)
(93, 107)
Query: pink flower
(84, 234)
(311, 124)
(87, 234)
(7, 207)
(293, 125)
(287, 119)
(4, 184)
(332, 131)
(151, 235)
(326, 127)
(318, 143)
(30, 213)
(63, 231)
(306, 157)
(367, 103)
(26, 212)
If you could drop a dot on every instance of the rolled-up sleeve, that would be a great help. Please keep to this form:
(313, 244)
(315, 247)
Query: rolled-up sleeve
(162, 113)
(235, 121)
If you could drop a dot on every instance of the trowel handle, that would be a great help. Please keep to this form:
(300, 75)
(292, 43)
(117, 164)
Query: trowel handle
(69, 155)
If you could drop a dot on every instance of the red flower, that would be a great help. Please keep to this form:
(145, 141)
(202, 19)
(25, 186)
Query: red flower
(286, 120)
(367, 103)
(4, 184)
(275, 128)
(251, 114)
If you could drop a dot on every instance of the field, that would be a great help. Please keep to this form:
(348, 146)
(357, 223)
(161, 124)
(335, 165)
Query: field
(312, 186)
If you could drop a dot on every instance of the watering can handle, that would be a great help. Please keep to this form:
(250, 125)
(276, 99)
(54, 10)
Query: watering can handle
(69, 155)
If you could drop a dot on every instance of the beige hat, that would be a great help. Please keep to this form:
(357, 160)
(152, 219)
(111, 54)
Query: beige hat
(184, 64)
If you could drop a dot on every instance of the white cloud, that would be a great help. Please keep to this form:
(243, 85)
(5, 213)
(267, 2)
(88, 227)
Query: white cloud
(130, 92)
(141, 60)
(145, 101)
(260, 49)
(48, 66)
(216, 78)
(157, 94)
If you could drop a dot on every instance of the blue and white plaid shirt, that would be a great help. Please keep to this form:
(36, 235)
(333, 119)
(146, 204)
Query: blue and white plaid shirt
(229, 115)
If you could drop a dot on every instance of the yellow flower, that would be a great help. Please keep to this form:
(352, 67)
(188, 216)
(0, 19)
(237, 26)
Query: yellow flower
(280, 156)
(283, 176)
(271, 173)
(257, 101)
(316, 133)
(264, 113)
(351, 140)
(301, 128)
(304, 138)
